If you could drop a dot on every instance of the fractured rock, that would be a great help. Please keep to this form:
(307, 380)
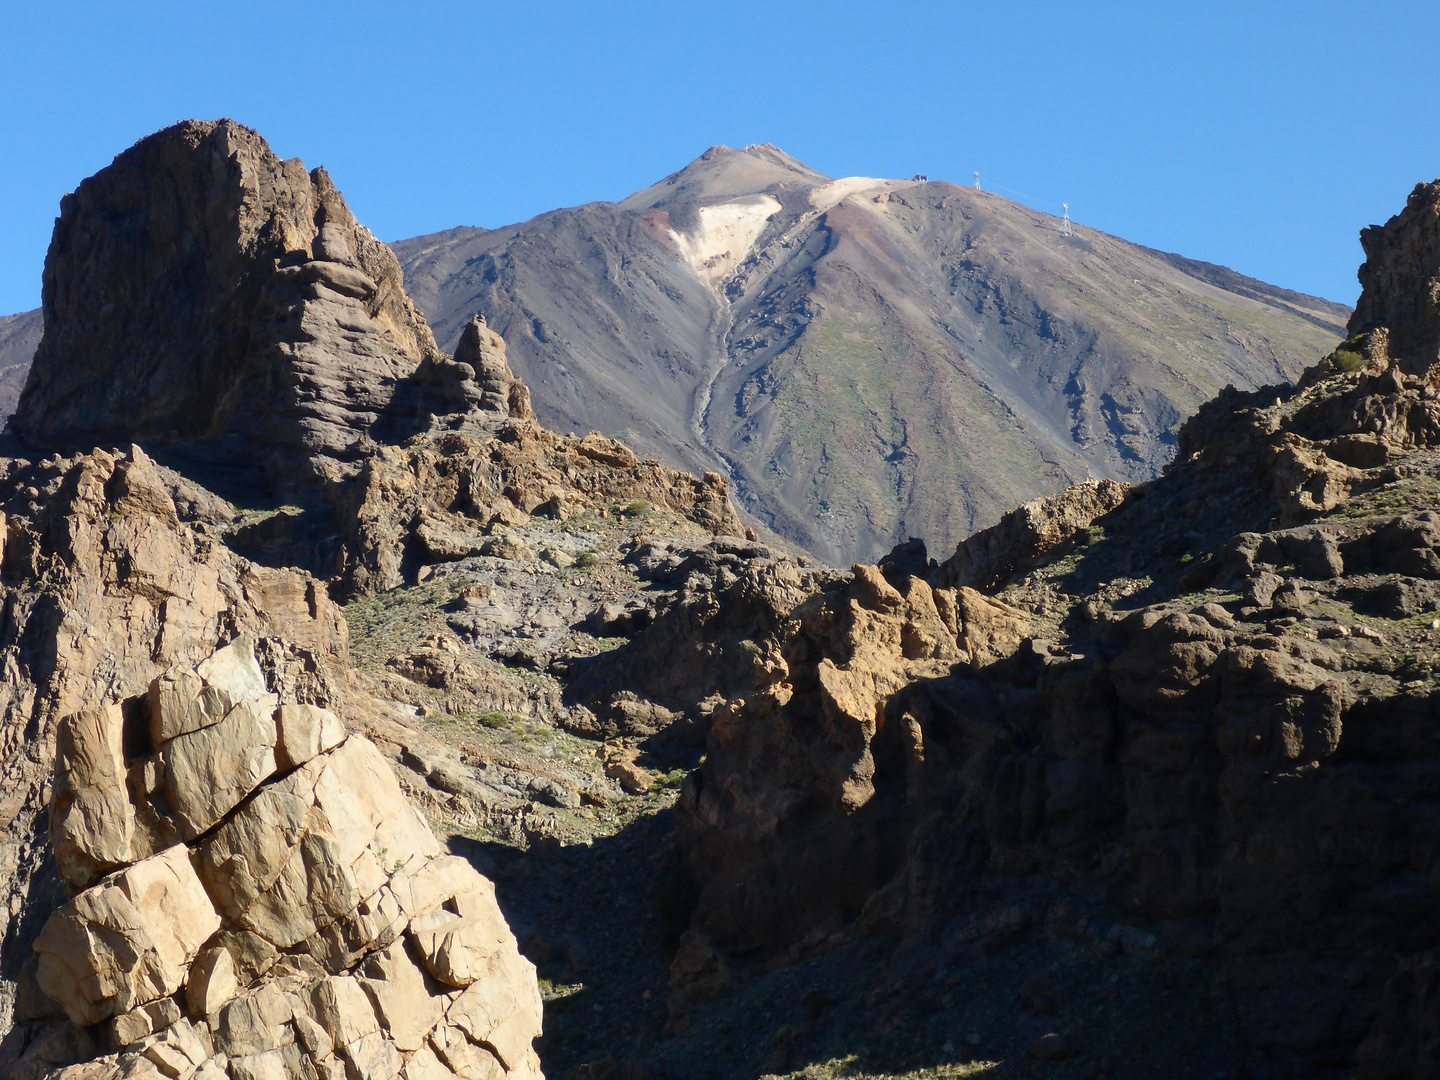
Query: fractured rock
(208, 772)
(307, 927)
(128, 941)
(93, 820)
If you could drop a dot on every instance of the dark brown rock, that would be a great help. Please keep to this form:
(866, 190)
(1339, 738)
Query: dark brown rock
(201, 288)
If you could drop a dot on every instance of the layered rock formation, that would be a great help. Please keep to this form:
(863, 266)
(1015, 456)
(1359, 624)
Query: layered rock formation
(232, 881)
(1183, 723)
(210, 869)
(783, 833)
(238, 856)
(444, 498)
(201, 290)
(105, 586)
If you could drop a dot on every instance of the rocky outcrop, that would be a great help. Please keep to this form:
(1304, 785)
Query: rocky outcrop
(211, 811)
(1399, 281)
(199, 808)
(201, 290)
(707, 633)
(784, 829)
(279, 910)
(1028, 534)
(104, 586)
(454, 494)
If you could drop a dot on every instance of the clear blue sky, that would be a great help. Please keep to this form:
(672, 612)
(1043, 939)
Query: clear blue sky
(1259, 135)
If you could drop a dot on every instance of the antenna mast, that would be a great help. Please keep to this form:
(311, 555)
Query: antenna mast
(1065, 221)
(977, 181)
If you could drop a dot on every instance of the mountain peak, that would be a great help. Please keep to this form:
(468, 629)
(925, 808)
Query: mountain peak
(722, 172)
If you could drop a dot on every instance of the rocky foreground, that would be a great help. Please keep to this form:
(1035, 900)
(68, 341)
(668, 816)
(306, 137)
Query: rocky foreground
(353, 720)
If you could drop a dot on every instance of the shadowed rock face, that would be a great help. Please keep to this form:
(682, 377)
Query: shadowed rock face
(867, 359)
(199, 288)
(1400, 279)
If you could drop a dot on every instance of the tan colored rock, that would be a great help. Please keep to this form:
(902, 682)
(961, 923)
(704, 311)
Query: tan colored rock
(557, 557)
(208, 772)
(424, 1065)
(620, 766)
(357, 832)
(489, 1011)
(373, 1057)
(128, 940)
(246, 854)
(433, 882)
(457, 950)
(179, 1049)
(318, 1042)
(252, 955)
(303, 731)
(457, 942)
(463, 1057)
(92, 819)
(233, 671)
(211, 982)
(1023, 536)
(131, 1027)
(283, 1063)
(343, 1009)
(990, 629)
(396, 987)
(179, 703)
(257, 1022)
(183, 701)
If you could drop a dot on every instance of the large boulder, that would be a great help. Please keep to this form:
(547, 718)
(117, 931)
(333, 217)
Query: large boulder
(128, 941)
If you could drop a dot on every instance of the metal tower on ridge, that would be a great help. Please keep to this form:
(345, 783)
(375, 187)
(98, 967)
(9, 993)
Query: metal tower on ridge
(977, 181)
(1065, 221)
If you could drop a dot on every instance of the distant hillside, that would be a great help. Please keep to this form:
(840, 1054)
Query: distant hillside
(867, 359)
(19, 335)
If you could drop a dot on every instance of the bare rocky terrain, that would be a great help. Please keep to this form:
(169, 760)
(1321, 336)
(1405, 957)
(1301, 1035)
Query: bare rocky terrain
(867, 360)
(19, 337)
(405, 737)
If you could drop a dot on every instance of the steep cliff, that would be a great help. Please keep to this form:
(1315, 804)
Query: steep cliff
(199, 290)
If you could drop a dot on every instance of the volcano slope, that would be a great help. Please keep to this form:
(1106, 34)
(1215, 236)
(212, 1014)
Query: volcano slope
(19, 335)
(866, 359)
(1186, 725)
